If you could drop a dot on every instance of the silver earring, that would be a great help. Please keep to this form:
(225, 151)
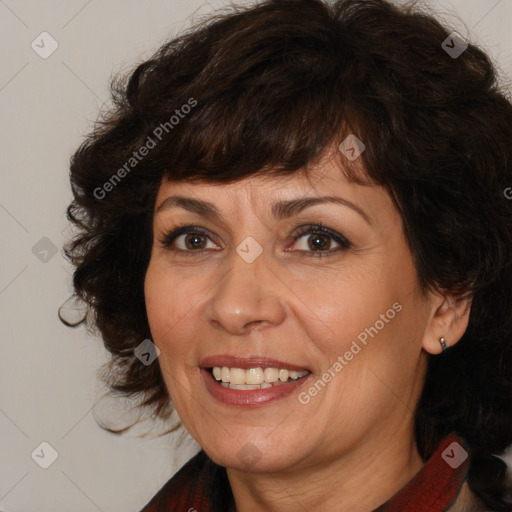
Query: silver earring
(444, 343)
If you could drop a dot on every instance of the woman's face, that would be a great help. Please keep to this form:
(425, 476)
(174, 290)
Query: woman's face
(242, 293)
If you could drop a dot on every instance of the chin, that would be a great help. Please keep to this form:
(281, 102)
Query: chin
(254, 453)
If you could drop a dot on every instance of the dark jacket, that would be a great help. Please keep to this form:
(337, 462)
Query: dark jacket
(440, 486)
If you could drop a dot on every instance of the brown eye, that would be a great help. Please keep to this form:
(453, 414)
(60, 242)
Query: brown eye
(194, 241)
(187, 240)
(319, 240)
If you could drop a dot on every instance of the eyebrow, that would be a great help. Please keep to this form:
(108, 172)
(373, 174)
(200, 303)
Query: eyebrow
(280, 210)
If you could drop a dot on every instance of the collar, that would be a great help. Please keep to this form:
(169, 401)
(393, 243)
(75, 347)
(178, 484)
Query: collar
(436, 486)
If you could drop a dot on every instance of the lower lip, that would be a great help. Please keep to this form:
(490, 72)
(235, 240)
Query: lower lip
(249, 397)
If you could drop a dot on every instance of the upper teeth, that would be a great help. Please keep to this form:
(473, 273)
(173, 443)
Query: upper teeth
(254, 375)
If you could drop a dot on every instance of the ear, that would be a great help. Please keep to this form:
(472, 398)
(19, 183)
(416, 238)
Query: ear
(449, 319)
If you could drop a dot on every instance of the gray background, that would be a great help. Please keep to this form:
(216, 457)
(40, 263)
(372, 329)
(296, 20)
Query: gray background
(48, 383)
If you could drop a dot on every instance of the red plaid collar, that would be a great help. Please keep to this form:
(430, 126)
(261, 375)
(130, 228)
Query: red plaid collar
(436, 486)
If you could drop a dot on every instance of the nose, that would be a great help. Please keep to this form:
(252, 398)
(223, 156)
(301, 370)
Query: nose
(247, 297)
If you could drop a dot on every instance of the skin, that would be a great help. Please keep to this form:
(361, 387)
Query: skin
(357, 433)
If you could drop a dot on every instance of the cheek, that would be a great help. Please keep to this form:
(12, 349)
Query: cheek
(348, 301)
(169, 306)
(169, 302)
(158, 301)
(370, 315)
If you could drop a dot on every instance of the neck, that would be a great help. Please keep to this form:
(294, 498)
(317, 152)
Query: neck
(359, 481)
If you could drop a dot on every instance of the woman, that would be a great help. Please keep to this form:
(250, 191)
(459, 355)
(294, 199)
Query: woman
(294, 233)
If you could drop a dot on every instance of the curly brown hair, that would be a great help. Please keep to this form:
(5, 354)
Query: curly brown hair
(269, 88)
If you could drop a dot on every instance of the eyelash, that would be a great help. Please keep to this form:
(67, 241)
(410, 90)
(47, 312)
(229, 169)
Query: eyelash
(312, 229)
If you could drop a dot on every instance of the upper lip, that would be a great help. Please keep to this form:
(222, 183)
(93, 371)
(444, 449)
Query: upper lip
(245, 363)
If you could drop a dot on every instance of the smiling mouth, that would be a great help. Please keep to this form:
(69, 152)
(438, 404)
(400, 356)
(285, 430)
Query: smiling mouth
(254, 378)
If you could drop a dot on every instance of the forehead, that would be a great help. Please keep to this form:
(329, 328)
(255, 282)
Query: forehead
(319, 177)
(283, 195)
